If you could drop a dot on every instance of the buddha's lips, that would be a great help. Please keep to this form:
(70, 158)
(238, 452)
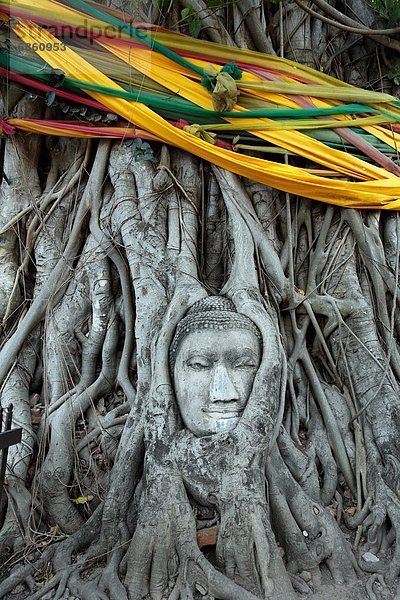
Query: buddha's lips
(224, 412)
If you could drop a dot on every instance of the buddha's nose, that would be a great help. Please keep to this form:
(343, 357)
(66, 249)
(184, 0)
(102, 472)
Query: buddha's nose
(222, 388)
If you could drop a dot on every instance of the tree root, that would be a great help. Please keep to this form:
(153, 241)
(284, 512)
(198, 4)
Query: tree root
(322, 539)
(57, 559)
(385, 505)
(110, 582)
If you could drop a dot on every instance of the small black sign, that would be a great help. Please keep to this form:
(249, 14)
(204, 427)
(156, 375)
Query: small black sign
(9, 438)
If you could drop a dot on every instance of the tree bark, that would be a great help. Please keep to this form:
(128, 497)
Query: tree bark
(101, 257)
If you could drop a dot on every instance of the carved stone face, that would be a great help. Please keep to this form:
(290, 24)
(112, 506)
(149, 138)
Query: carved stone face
(213, 376)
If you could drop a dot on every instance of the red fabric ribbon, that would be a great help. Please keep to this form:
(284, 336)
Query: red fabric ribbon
(7, 129)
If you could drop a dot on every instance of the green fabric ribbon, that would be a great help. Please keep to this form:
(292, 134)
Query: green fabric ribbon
(222, 85)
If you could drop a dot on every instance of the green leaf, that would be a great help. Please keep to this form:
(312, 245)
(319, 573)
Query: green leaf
(214, 4)
(82, 499)
(195, 26)
(160, 3)
(389, 9)
(187, 13)
(394, 16)
(394, 75)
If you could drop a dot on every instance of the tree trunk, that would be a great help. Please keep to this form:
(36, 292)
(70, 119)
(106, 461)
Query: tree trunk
(104, 259)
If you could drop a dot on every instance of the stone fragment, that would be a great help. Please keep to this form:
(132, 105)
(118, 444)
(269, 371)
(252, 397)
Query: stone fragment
(369, 557)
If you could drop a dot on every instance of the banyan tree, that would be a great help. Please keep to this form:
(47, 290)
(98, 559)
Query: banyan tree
(199, 256)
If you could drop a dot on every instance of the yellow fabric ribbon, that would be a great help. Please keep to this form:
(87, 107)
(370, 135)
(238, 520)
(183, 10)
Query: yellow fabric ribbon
(166, 73)
(383, 191)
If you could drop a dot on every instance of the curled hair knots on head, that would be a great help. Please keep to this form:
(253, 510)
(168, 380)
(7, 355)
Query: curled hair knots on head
(215, 313)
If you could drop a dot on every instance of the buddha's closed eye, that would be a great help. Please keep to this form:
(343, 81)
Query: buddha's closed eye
(247, 364)
(199, 364)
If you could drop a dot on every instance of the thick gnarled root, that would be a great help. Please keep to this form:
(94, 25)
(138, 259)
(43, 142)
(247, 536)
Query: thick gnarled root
(306, 529)
(385, 508)
(164, 556)
(247, 551)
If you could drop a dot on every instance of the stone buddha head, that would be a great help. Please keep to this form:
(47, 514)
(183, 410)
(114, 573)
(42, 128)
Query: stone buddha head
(214, 357)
